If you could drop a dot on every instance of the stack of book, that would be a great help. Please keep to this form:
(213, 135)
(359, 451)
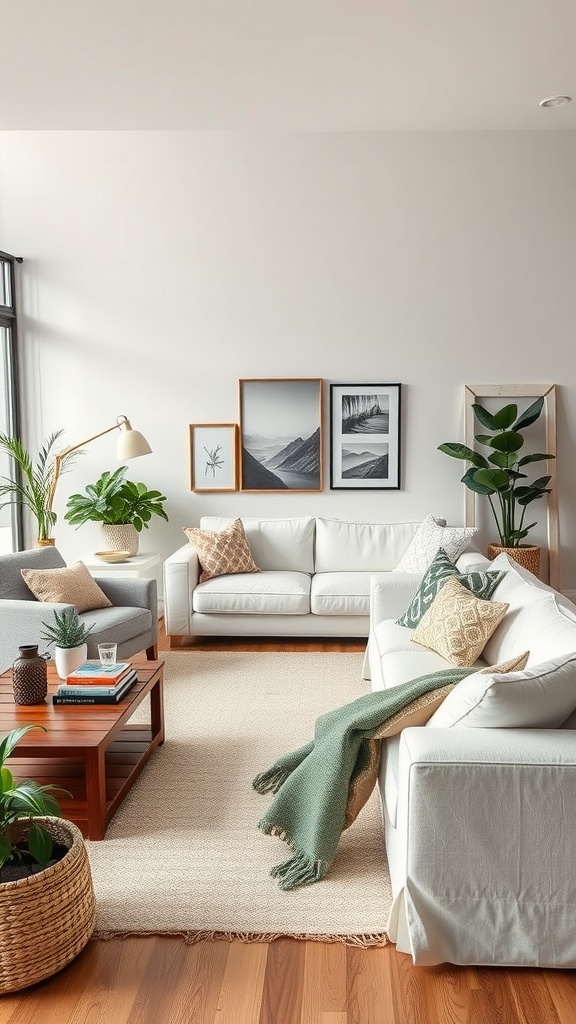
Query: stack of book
(91, 684)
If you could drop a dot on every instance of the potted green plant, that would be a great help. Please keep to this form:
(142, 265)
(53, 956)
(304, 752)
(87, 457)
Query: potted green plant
(501, 478)
(69, 635)
(123, 509)
(31, 485)
(47, 906)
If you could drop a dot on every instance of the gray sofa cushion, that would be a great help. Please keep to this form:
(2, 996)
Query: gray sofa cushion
(12, 586)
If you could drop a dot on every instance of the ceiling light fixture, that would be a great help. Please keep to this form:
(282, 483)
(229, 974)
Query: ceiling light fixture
(555, 101)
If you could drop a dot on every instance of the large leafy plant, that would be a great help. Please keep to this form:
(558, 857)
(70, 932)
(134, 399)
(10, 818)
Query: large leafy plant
(31, 485)
(115, 501)
(23, 799)
(500, 475)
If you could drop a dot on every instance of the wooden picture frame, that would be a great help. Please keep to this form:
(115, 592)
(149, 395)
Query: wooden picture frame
(280, 434)
(213, 457)
(475, 393)
(365, 436)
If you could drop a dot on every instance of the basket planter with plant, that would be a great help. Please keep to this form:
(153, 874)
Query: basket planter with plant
(500, 476)
(30, 485)
(47, 906)
(121, 507)
(69, 636)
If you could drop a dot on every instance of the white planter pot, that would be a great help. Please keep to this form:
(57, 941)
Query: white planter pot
(120, 538)
(67, 659)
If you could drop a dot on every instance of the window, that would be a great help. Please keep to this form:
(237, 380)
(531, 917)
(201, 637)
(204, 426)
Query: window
(10, 516)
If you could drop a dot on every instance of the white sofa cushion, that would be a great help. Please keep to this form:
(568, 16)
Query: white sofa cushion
(431, 536)
(340, 593)
(275, 543)
(343, 546)
(262, 593)
(534, 622)
(539, 697)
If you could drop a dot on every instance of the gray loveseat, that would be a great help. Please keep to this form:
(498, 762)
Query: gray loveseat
(132, 621)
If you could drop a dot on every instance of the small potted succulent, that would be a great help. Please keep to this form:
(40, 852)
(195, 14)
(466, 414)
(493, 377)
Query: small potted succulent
(69, 635)
(123, 509)
(47, 906)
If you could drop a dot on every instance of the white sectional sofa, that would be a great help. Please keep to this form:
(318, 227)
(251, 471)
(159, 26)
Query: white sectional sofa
(314, 579)
(479, 805)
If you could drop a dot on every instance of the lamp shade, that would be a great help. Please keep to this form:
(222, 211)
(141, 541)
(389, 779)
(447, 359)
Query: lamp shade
(131, 443)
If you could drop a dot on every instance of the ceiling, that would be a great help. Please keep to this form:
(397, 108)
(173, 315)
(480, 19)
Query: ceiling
(287, 65)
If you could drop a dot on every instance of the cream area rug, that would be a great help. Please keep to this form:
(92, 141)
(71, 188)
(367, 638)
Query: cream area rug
(183, 854)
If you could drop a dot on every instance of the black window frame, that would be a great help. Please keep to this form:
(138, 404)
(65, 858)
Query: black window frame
(12, 398)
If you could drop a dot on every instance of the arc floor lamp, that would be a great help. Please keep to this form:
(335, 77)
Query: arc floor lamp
(131, 443)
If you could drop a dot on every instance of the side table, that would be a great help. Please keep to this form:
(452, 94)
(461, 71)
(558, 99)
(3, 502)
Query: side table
(145, 565)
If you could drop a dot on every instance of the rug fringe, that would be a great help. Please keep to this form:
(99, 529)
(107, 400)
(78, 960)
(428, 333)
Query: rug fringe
(364, 941)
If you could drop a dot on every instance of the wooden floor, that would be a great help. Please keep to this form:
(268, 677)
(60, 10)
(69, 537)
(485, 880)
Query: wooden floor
(165, 981)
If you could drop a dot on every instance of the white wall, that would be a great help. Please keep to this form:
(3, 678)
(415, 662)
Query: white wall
(160, 267)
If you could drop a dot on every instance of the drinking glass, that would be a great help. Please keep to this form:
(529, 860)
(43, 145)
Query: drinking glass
(107, 654)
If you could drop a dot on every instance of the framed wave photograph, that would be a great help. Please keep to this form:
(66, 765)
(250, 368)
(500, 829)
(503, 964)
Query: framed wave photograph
(365, 436)
(281, 434)
(213, 456)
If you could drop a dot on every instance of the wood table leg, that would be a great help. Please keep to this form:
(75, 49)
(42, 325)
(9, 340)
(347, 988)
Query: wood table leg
(96, 791)
(156, 709)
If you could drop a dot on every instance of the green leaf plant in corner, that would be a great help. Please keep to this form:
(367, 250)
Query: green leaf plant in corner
(24, 799)
(500, 475)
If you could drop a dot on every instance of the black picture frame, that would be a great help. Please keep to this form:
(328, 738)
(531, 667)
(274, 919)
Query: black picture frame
(365, 422)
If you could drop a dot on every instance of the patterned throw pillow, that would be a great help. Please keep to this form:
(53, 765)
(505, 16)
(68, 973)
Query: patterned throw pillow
(458, 624)
(222, 552)
(483, 584)
(71, 584)
(428, 539)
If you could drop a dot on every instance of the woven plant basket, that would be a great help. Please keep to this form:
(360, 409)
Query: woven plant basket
(120, 538)
(526, 555)
(47, 918)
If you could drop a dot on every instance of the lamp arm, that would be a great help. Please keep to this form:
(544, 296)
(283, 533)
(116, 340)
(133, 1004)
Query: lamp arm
(58, 459)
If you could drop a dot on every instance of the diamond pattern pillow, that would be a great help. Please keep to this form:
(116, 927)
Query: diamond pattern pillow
(428, 539)
(222, 552)
(458, 624)
(71, 584)
(483, 584)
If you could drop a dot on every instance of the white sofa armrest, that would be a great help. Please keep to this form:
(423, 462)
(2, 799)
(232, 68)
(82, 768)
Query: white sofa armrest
(390, 594)
(181, 572)
(485, 819)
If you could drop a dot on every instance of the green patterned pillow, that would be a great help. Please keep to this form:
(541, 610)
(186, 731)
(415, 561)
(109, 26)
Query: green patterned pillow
(483, 584)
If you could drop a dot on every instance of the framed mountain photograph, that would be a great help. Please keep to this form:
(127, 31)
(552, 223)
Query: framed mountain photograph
(281, 434)
(364, 436)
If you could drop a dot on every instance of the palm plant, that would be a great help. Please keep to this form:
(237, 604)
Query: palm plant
(24, 799)
(31, 485)
(499, 476)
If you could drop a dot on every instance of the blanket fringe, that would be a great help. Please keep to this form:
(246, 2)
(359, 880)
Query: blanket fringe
(361, 941)
(297, 870)
(271, 780)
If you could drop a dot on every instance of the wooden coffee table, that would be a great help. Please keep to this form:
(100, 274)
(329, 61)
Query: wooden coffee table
(93, 750)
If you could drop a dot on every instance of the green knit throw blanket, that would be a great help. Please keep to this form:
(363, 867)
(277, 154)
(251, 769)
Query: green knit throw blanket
(312, 783)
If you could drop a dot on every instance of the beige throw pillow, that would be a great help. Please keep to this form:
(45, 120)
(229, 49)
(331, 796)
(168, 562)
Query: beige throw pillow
(222, 552)
(71, 584)
(458, 624)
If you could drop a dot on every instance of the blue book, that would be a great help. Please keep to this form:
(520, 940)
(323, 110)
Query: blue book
(69, 690)
(93, 671)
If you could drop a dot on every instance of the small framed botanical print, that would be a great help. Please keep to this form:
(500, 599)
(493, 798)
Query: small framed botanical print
(213, 456)
(364, 436)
